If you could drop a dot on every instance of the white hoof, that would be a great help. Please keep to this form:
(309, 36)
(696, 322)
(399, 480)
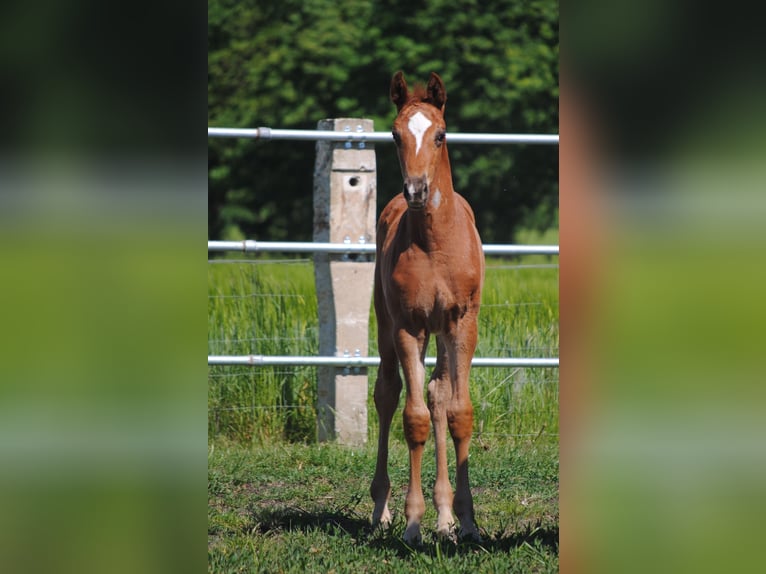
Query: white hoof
(446, 534)
(445, 527)
(383, 520)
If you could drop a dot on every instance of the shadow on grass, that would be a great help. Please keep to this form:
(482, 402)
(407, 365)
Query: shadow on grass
(347, 522)
(546, 536)
(337, 522)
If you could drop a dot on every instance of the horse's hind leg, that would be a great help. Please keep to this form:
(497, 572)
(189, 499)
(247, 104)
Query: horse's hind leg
(460, 421)
(388, 386)
(439, 395)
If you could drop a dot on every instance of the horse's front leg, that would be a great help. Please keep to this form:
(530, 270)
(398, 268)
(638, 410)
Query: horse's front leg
(411, 348)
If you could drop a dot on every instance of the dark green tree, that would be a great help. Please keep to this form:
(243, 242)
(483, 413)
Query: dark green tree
(290, 64)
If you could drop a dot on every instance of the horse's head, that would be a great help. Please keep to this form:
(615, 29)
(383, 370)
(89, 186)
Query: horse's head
(419, 133)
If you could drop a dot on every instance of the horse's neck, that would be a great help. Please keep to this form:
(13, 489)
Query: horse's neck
(433, 226)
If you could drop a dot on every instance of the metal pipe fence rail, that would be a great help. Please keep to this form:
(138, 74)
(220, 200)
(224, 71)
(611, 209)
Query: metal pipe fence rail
(298, 361)
(361, 137)
(251, 246)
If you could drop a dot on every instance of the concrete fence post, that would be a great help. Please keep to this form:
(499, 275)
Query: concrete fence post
(344, 212)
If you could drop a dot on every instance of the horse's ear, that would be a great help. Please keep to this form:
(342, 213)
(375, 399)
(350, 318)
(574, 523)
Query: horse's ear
(398, 90)
(435, 92)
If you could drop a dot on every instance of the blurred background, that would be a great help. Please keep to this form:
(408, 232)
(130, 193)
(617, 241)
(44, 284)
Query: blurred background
(102, 218)
(662, 269)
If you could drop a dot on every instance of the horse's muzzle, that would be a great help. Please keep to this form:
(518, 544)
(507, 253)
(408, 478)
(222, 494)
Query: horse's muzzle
(416, 192)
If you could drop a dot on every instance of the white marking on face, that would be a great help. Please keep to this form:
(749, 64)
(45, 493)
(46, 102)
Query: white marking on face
(418, 125)
(436, 200)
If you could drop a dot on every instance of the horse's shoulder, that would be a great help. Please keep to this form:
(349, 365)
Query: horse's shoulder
(391, 214)
(465, 207)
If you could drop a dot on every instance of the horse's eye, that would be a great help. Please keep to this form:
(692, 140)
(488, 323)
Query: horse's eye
(397, 138)
(440, 138)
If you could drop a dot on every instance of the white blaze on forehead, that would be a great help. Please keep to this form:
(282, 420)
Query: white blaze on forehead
(418, 125)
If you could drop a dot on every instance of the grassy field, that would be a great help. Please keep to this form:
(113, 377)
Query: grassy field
(279, 502)
(305, 508)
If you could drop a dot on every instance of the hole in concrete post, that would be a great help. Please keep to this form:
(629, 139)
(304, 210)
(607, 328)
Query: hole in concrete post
(353, 181)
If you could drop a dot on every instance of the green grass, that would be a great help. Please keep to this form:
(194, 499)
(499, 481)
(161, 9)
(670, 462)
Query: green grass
(305, 508)
(268, 309)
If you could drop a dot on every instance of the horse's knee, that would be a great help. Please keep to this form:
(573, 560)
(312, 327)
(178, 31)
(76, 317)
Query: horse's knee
(417, 424)
(460, 421)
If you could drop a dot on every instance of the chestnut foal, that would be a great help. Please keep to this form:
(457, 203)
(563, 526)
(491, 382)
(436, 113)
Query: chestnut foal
(429, 273)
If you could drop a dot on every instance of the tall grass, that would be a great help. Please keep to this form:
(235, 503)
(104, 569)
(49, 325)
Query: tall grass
(270, 308)
(266, 308)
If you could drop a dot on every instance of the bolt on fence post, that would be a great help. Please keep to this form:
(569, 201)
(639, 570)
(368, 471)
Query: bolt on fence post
(345, 190)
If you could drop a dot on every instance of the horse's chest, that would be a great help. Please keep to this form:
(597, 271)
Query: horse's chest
(431, 292)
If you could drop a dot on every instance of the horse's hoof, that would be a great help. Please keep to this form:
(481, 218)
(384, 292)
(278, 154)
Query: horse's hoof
(446, 534)
(470, 535)
(412, 535)
(382, 521)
